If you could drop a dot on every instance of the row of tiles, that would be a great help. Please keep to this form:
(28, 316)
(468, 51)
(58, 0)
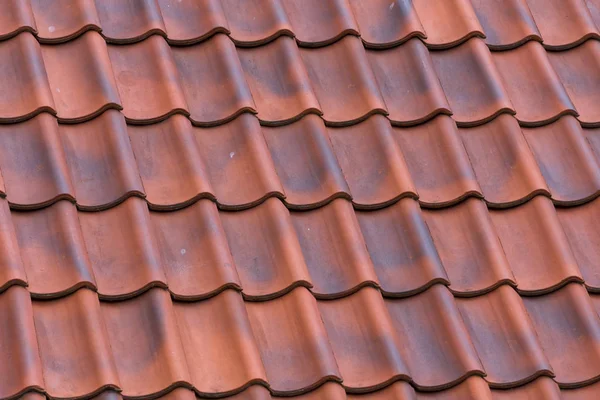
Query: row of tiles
(381, 23)
(77, 346)
(213, 82)
(171, 164)
(266, 251)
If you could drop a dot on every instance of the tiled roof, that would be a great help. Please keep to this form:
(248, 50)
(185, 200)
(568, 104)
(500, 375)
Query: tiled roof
(341, 199)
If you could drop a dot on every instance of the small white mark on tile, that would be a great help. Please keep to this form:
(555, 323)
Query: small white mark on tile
(308, 229)
(392, 6)
(232, 154)
(58, 90)
(183, 251)
(51, 28)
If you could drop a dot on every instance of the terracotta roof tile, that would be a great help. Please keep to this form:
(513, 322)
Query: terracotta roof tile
(12, 271)
(190, 21)
(541, 388)
(62, 20)
(594, 9)
(127, 21)
(16, 17)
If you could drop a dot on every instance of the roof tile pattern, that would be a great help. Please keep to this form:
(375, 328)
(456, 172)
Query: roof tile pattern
(341, 199)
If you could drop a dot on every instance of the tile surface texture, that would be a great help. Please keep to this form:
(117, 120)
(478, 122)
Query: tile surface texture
(305, 199)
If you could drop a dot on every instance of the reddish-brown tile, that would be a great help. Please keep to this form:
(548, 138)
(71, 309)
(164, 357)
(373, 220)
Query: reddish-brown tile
(170, 165)
(385, 24)
(195, 254)
(473, 388)
(62, 20)
(594, 9)
(582, 228)
(20, 365)
(541, 388)
(593, 139)
(180, 393)
(74, 350)
(448, 23)
(147, 363)
(416, 97)
(305, 163)
(566, 161)
(438, 162)
(398, 390)
(293, 343)
(401, 248)
(532, 84)
(253, 392)
(469, 247)
(213, 81)
(16, 17)
(53, 250)
(12, 271)
(191, 21)
(563, 23)
(328, 391)
(122, 249)
(363, 340)
(506, 23)
(81, 78)
(343, 81)
(590, 392)
(239, 165)
(147, 79)
(24, 81)
(320, 22)
(372, 163)
(504, 337)
(578, 70)
(256, 22)
(266, 251)
(568, 329)
(536, 247)
(222, 356)
(472, 83)
(128, 21)
(279, 82)
(334, 249)
(432, 333)
(101, 162)
(503, 163)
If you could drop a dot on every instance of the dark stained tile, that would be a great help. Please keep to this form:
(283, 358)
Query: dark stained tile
(147, 79)
(146, 363)
(239, 165)
(212, 81)
(472, 83)
(432, 332)
(68, 328)
(541, 388)
(343, 81)
(194, 250)
(267, 254)
(171, 168)
(401, 248)
(536, 246)
(62, 20)
(566, 161)
(222, 356)
(506, 23)
(372, 163)
(563, 23)
(26, 91)
(12, 271)
(122, 249)
(469, 248)
(293, 363)
(418, 96)
(52, 250)
(504, 337)
(191, 21)
(568, 329)
(578, 70)
(305, 163)
(438, 162)
(334, 249)
(448, 23)
(532, 84)
(278, 81)
(101, 163)
(20, 365)
(128, 21)
(385, 23)
(256, 22)
(317, 23)
(504, 165)
(16, 17)
(81, 78)
(363, 340)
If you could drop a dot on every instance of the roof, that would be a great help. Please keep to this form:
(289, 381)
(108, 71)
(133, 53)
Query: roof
(341, 199)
